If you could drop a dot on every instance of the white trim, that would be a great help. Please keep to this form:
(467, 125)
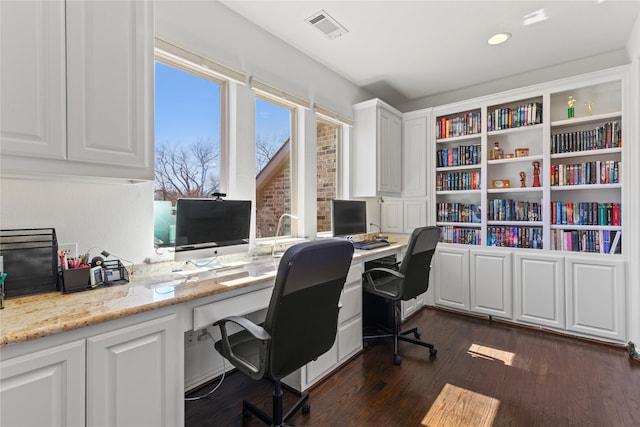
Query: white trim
(332, 116)
(179, 57)
(279, 95)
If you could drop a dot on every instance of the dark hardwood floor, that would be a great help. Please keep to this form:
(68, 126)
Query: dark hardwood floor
(485, 374)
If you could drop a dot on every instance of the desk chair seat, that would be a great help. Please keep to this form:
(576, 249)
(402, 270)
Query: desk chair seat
(404, 282)
(300, 325)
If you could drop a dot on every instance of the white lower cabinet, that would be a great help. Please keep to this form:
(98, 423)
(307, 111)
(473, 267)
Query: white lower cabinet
(596, 297)
(490, 283)
(452, 277)
(131, 379)
(539, 289)
(44, 388)
(348, 338)
(392, 216)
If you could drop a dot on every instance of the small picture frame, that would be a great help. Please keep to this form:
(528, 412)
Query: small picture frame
(522, 152)
(501, 183)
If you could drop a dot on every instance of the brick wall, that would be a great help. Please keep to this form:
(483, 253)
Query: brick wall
(275, 197)
(326, 154)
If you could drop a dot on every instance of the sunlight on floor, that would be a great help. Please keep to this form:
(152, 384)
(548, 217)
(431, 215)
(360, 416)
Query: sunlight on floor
(459, 407)
(489, 353)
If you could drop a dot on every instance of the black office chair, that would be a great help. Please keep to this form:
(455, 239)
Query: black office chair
(406, 281)
(301, 321)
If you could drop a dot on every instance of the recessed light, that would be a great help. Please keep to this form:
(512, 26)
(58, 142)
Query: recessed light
(499, 38)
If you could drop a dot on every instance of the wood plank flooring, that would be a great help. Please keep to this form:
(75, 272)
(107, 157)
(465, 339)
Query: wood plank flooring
(485, 374)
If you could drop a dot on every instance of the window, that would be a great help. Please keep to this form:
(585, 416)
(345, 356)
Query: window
(187, 141)
(327, 142)
(273, 167)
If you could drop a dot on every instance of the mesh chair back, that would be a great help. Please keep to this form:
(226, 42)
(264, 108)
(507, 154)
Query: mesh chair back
(417, 261)
(302, 317)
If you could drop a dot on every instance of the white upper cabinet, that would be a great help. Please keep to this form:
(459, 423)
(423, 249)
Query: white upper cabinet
(32, 78)
(377, 151)
(414, 153)
(77, 81)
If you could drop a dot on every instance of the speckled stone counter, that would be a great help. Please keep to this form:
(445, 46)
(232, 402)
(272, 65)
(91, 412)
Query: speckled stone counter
(36, 316)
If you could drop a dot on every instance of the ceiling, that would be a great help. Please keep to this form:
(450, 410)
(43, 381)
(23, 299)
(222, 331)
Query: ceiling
(400, 51)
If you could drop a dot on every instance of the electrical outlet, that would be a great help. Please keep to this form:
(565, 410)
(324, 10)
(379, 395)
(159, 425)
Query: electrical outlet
(190, 338)
(70, 249)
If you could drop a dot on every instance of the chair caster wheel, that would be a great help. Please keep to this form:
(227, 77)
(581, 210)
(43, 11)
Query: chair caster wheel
(417, 335)
(246, 413)
(397, 360)
(306, 408)
(433, 352)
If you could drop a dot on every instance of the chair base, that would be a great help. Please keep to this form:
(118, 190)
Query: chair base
(278, 419)
(397, 335)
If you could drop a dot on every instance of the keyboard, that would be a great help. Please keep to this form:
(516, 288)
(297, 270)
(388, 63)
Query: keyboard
(370, 244)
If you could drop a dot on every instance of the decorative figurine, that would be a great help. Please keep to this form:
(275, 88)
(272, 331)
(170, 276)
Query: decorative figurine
(536, 173)
(523, 179)
(496, 153)
(570, 109)
(589, 108)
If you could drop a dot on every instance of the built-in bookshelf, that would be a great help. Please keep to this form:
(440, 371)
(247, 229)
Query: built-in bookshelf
(538, 171)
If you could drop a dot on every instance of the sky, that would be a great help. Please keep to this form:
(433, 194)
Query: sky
(187, 108)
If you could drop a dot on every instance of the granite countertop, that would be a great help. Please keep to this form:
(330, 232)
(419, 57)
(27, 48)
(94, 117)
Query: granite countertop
(36, 316)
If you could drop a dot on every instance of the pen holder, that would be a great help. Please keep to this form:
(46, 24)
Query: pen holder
(75, 279)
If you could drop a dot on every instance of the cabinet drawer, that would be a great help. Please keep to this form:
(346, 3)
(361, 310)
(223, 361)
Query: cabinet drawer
(349, 338)
(322, 365)
(351, 303)
(240, 305)
(354, 275)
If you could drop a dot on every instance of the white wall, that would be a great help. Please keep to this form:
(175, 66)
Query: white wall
(118, 216)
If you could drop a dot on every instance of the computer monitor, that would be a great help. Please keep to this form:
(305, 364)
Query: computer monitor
(207, 228)
(348, 217)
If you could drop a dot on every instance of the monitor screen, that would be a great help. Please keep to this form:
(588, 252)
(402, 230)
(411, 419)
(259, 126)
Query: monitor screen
(207, 227)
(348, 217)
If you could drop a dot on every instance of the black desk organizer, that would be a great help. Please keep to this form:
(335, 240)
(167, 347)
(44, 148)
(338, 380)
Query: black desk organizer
(114, 272)
(30, 261)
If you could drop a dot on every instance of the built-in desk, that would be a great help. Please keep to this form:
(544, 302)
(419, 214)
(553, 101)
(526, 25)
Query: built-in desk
(116, 355)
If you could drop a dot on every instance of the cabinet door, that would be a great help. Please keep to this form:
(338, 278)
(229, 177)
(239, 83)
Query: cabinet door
(132, 375)
(596, 297)
(414, 153)
(110, 75)
(452, 277)
(389, 153)
(491, 283)
(415, 215)
(45, 388)
(392, 216)
(32, 78)
(539, 289)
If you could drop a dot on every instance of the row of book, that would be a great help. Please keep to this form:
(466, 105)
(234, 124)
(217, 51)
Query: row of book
(465, 124)
(515, 237)
(586, 213)
(462, 155)
(608, 135)
(457, 212)
(462, 236)
(597, 172)
(507, 118)
(453, 181)
(514, 210)
(596, 241)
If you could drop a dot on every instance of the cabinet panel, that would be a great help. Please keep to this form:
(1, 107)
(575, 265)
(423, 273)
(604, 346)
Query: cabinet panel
(415, 215)
(349, 338)
(490, 283)
(110, 60)
(322, 365)
(131, 377)
(389, 157)
(32, 77)
(452, 277)
(539, 290)
(45, 388)
(596, 297)
(414, 163)
(392, 216)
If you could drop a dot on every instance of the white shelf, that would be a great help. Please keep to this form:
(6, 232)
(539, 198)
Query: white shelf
(599, 152)
(587, 119)
(458, 138)
(516, 160)
(459, 224)
(515, 190)
(586, 187)
(457, 168)
(460, 192)
(585, 227)
(517, 223)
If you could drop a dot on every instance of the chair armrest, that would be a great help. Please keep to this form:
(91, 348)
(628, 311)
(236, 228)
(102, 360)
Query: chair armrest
(388, 271)
(257, 331)
(254, 330)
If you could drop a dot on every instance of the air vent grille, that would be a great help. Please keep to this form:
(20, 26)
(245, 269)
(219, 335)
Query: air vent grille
(325, 23)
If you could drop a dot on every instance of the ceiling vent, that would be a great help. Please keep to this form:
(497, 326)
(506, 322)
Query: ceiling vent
(325, 23)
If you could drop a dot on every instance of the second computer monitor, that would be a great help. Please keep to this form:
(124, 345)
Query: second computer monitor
(348, 217)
